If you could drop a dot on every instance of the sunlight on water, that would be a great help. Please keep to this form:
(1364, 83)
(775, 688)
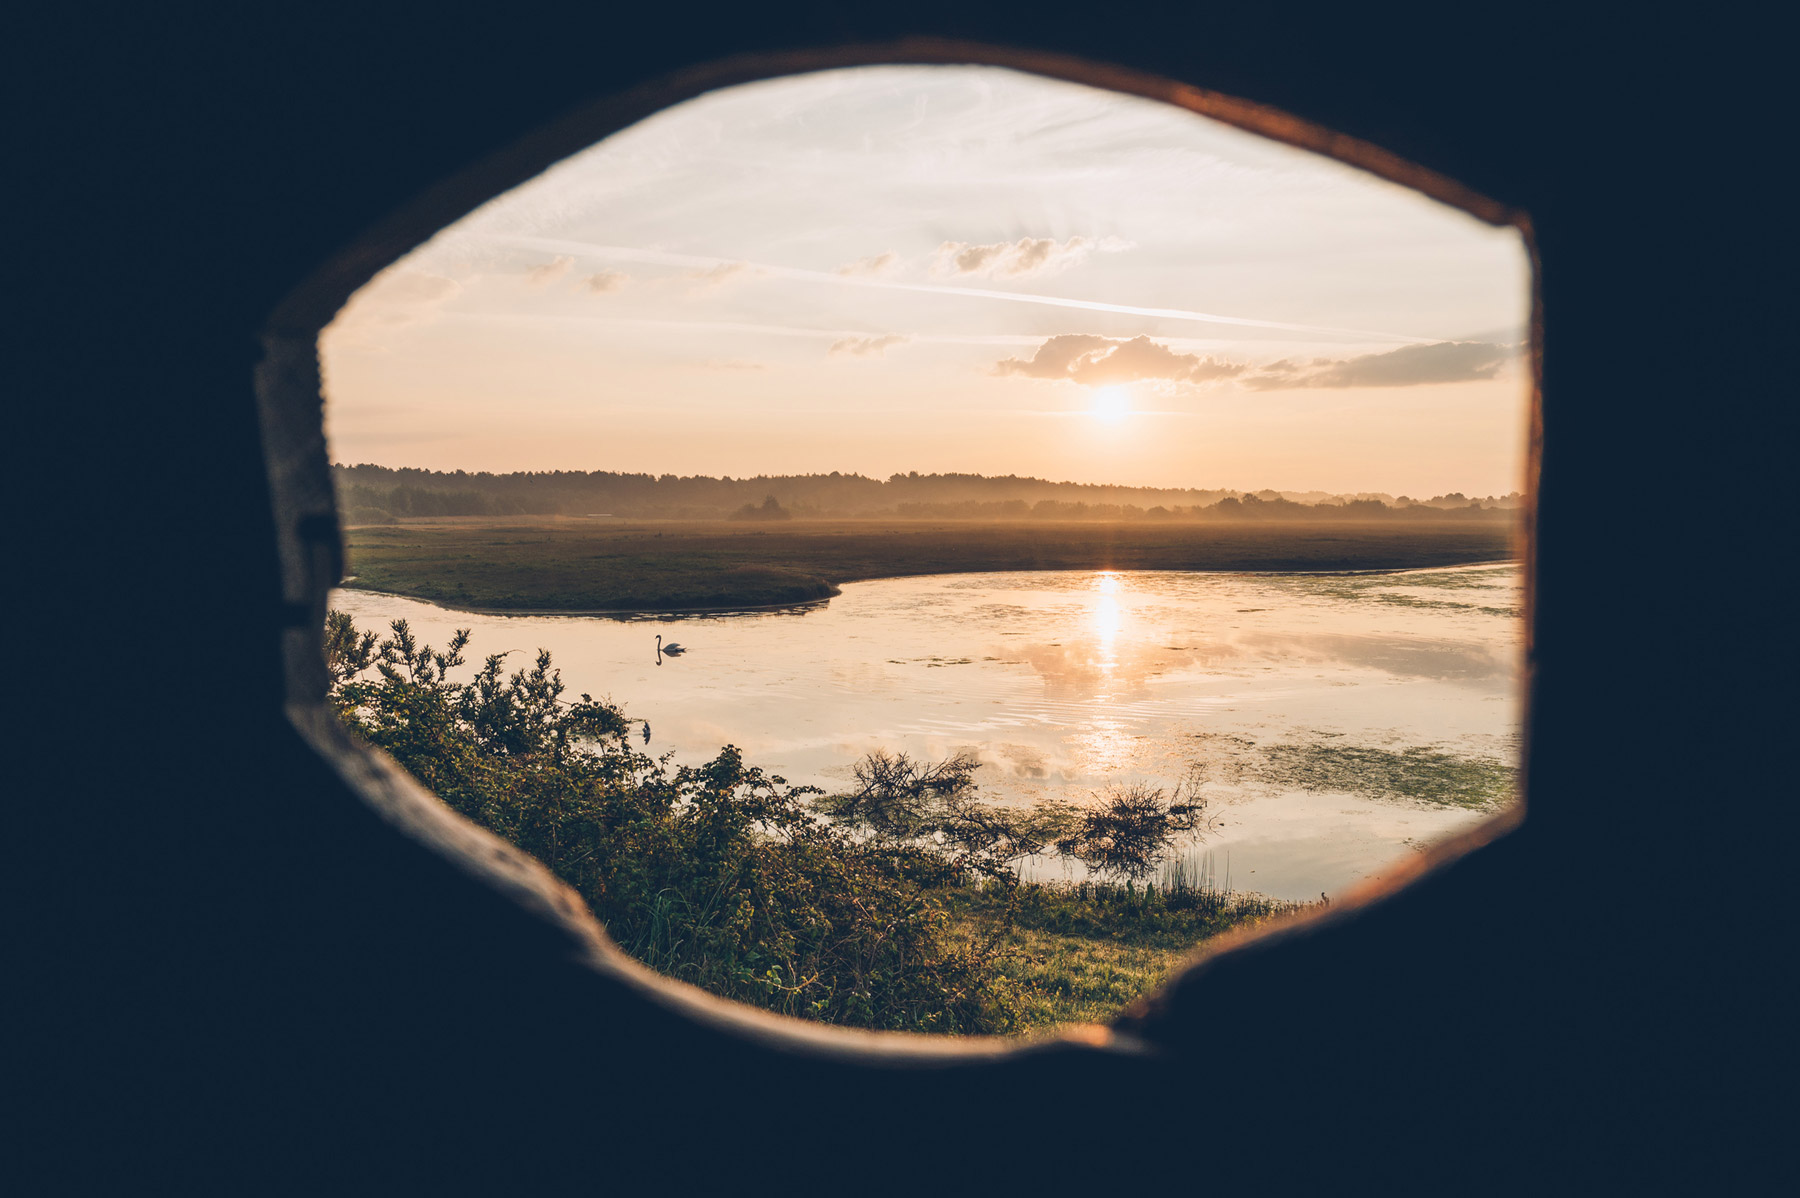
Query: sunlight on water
(1334, 722)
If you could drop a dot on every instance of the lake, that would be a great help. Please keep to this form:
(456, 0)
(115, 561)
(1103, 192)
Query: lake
(1334, 723)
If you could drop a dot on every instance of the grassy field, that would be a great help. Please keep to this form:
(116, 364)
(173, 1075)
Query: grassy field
(567, 564)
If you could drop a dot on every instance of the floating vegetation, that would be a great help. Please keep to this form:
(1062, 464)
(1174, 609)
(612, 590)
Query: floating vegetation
(1460, 580)
(1394, 599)
(1392, 590)
(1422, 773)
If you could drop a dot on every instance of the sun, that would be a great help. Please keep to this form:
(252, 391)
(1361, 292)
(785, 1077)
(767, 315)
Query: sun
(1111, 405)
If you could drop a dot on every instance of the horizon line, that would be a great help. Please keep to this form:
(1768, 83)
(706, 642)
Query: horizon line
(1025, 478)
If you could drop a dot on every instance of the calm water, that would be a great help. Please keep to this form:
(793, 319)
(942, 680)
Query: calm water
(1064, 683)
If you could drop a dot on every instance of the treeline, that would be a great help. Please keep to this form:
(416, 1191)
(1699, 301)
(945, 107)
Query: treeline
(1233, 507)
(375, 505)
(370, 494)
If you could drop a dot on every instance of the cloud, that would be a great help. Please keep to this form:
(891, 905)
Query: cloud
(607, 280)
(1408, 366)
(715, 277)
(550, 271)
(863, 347)
(1018, 259)
(879, 264)
(1095, 361)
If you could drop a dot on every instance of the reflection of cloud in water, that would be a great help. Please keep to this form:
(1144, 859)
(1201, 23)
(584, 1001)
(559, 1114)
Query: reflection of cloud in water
(1090, 668)
(1107, 652)
(1020, 761)
(1404, 657)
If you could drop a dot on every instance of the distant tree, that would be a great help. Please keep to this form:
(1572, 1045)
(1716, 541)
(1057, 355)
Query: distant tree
(770, 510)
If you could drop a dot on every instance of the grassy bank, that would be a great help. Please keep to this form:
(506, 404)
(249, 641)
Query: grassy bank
(893, 904)
(555, 564)
(1053, 954)
(1081, 953)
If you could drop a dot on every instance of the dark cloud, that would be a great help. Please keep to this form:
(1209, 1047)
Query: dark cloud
(862, 347)
(1100, 361)
(1409, 366)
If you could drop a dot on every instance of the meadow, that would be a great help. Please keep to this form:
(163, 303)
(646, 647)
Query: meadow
(571, 564)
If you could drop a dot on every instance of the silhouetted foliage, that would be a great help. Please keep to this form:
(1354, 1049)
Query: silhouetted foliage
(769, 509)
(851, 908)
(899, 800)
(1132, 832)
(717, 874)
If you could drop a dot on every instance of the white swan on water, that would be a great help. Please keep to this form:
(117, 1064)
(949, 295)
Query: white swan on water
(672, 649)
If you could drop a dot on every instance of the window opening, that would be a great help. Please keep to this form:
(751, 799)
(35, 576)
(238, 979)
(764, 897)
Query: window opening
(991, 534)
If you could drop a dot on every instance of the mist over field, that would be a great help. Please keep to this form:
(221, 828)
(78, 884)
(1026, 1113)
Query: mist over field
(377, 494)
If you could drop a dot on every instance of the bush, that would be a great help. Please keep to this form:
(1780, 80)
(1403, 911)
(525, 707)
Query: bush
(717, 874)
(849, 908)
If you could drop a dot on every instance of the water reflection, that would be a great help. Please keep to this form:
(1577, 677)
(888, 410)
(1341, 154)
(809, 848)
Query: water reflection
(1106, 623)
(1065, 683)
(1115, 653)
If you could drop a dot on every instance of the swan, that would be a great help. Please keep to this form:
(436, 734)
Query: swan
(672, 649)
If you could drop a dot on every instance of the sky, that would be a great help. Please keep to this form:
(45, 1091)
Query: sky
(948, 269)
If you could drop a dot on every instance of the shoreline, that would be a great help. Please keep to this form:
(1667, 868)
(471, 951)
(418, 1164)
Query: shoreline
(645, 613)
(620, 613)
(712, 567)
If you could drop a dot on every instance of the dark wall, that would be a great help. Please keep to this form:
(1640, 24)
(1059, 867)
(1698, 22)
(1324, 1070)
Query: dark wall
(240, 978)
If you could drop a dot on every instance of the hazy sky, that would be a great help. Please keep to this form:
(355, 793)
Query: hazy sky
(947, 269)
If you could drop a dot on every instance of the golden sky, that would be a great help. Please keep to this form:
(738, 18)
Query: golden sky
(970, 269)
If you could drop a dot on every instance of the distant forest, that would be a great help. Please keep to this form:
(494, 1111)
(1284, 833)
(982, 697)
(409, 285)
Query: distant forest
(369, 494)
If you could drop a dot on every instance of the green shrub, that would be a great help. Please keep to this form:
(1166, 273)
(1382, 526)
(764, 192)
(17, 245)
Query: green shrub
(895, 905)
(717, 874)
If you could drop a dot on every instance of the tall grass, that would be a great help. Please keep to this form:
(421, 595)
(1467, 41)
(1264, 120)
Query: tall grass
(1081, 952)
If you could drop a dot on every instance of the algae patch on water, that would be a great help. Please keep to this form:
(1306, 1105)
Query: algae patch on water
(1422, 773)
(1392, 590)
(1419, 772)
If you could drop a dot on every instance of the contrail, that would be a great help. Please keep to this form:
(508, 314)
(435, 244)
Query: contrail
(553, 245)
(768, 330)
